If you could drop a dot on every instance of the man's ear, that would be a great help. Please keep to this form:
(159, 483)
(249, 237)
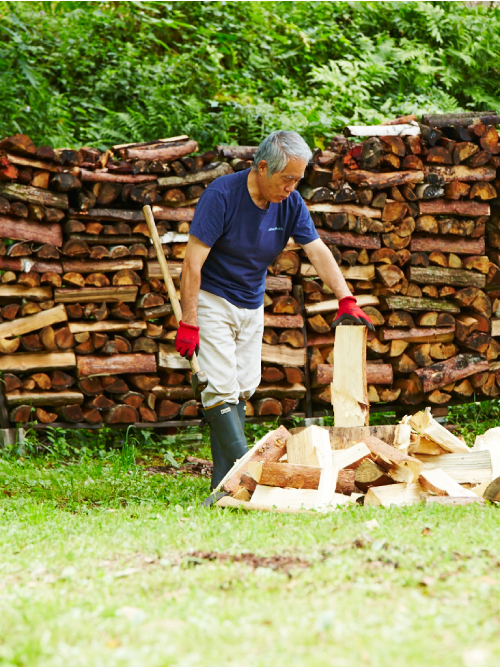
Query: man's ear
(262, 168)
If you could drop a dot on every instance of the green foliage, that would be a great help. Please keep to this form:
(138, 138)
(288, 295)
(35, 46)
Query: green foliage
(75, 73)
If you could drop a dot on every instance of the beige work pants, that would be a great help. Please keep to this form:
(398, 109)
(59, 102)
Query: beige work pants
(230, 349)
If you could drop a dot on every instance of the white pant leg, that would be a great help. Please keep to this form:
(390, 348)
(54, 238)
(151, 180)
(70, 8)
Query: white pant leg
(230, 348)
(218, 322)
(248, 352)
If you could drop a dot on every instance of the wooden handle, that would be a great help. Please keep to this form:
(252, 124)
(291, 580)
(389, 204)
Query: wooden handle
(172, 293)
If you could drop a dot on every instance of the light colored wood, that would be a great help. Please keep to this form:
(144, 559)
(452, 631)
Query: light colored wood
(351, 457)
(283, 321)
(295, 499)
(333, 304)
(95, 294)
(168, 357)
(102, 265)
(269, 448)
(495, 326)
(302, 448)
(425, 424)
(393, 494)
(440, 483)
(462, 173)
(44, 398)
(229, 501)
(490, 441)
(399, 466)
(283, 355)
(22, 292)
(105, 325)
(349, 393)
(33, 322)
(420, 335)
(357, 272)
(404, 130)
(37, 361)
(471, 468)
(358, 211)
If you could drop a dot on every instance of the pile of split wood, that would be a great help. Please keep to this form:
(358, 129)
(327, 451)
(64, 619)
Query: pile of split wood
(318, 468)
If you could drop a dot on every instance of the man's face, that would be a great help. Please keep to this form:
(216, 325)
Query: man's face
(279, 186)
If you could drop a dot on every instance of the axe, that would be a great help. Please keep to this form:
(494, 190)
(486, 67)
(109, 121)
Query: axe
(199, 378)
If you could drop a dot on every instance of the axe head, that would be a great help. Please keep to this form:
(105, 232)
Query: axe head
(199, 382)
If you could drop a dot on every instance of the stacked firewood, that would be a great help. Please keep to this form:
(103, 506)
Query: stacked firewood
(405, 217)
(86, 331)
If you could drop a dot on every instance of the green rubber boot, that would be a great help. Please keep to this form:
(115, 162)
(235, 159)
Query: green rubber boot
(227, 440)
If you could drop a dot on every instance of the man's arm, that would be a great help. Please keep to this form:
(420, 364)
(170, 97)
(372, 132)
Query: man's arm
(327, 268)
(196, 254)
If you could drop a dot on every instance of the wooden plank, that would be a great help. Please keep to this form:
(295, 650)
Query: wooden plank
(358, 211)
(163, 154)
(52, 398)
(95, 294)
(333, 304)
(393, 494)
(442, 484)
(42, 319)
(437, 275)
(229, 501)
(90, 365)
(199, 177)
(292, 499)
(451, 207)
(102, 265)
(268, 390)
(22, 229)
(399, 466)
(357, 272)
(470, 468)
(30, 361)
(22, 292)
(283, 355)
(168, 357)
(152, 270)
(403, 130)
(105, 325)
(448, 243)
(302, 447)
(417, 304)
(278, 283)
(349, 239)
(419, 335)
(349, 394)
(32, 195)
(425, 424)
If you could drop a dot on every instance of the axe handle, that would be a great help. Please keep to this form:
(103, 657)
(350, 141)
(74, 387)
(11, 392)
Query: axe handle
(172, 293)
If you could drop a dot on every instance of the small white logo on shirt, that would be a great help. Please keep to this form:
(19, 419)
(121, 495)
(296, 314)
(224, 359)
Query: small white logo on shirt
(275, 229)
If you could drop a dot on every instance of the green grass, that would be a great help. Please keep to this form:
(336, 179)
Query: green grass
(100, 565)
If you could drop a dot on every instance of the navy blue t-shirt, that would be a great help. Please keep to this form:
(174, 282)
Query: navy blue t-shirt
(245, 239)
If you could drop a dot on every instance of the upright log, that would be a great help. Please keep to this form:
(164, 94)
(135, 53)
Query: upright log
(349, 394)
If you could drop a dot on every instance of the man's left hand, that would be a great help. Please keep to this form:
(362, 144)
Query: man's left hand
(349, 310)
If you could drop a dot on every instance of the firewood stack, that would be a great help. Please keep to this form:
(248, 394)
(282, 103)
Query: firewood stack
(86, 329)
(405, 217)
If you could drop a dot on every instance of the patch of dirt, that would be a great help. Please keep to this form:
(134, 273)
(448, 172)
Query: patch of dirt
(283, 563)
(190, 466)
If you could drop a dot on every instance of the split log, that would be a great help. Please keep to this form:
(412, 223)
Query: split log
(14, 228)
(368, 474)
(453, 369)
(284, 321)
(333, 304)
(450, 207)
(358, 211)
(32, 195)
(424, 424)
(113, 365)
(163, 154)
(121, 414)
(95, 294)
(201, 176)
(37, 361)
(368, 241)
(367, 179)
(349, 398)
(375, 374)
(418, 304)
(50, 398)
(444, 276)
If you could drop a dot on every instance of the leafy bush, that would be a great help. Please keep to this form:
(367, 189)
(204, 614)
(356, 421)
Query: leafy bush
(75, 73)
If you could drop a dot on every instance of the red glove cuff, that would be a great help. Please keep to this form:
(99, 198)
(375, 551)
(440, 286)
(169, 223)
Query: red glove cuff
(189, 326)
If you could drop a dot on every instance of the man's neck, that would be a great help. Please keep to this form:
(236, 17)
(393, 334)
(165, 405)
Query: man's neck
(254, 190)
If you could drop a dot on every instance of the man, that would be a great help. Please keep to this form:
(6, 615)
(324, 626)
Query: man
(242, 223)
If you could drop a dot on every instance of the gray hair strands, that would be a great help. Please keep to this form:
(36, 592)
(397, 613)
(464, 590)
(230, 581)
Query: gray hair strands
(278, 148)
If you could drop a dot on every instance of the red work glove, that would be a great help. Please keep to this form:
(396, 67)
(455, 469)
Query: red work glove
(349, 310)
(187, 340)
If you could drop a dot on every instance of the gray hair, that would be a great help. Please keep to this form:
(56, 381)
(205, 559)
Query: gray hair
(278, 148)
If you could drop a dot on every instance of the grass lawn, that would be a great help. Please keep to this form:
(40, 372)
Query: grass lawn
(106, 563)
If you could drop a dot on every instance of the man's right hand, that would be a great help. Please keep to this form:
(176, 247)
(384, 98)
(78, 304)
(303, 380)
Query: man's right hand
(187, 340)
